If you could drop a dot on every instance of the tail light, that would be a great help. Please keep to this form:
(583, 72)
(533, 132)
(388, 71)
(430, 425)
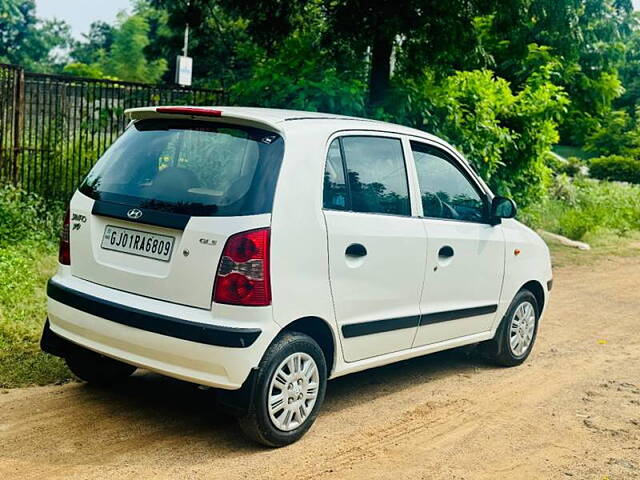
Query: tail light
(64, 252)
(243, 276)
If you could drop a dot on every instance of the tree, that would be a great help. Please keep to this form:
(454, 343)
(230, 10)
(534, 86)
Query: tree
(424, 28)
(117, 52)
(93, 44)
(220, 43)
(126, 59)
(588, 38)
(29, 42)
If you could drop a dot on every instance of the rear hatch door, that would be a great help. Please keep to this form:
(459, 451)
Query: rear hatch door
(153, 215)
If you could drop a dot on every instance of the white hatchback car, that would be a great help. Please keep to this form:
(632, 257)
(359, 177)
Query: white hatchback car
(262, 252)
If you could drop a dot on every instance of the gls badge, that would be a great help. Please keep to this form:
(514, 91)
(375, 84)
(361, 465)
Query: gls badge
(208, 241)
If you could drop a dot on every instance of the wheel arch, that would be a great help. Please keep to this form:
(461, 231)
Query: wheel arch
(537, 289)
(318, 329)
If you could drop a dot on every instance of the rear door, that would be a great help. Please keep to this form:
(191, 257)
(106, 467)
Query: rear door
(153, 215)
(465, 254)
(376, 248)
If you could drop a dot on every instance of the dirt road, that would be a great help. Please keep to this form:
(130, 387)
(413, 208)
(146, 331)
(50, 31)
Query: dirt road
(572, 411)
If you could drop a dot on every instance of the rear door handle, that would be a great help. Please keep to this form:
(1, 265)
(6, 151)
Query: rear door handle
(445, 252)
(355, 250)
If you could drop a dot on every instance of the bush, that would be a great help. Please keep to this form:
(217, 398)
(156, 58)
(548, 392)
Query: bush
(615, 167)
(578, 207)
(505, 134)
(27, 218)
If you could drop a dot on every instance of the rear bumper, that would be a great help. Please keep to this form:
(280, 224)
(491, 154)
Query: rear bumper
(153, 322)
(183, 342)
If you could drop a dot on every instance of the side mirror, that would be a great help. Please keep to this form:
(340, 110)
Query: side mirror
(502, 207)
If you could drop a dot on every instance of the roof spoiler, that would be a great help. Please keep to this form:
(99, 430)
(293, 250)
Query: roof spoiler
(200, 113)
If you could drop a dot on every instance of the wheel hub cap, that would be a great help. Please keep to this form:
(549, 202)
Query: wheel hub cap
(523, 324)
(293, 391)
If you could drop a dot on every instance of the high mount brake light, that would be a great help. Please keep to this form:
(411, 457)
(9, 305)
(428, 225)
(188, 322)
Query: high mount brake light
(243, 276)
(199, 112)
(64, 251)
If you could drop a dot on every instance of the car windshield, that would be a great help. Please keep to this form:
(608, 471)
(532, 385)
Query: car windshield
(189, 167)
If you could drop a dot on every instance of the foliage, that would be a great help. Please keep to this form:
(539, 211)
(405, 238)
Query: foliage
(26, 216)
(118, 53)
(504, 134)
(27, 41)
(572, 167)
(95, 43)
(616, 134)
(28, 234)
(301, 76)
(615, 167)
(585, 206)
(587, 36)
(218, 40)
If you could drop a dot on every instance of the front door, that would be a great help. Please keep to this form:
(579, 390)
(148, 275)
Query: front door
(377, 250)
(465, 253)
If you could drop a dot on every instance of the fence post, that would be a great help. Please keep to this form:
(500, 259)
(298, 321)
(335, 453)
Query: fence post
(18, 121)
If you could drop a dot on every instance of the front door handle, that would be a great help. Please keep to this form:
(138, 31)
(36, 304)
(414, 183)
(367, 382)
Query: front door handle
(355, 250)
(445, 252)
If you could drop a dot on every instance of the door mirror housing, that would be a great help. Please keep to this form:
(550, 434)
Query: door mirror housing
(502, 207)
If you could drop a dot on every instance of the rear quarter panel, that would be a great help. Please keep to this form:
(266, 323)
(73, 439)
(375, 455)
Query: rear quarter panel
(299, 263)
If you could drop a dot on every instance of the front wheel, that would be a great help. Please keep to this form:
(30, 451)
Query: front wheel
(290, 388)
(517, 333)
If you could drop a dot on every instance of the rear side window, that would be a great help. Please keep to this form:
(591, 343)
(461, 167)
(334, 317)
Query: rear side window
(377, 178)
(335, 189)
(190, 167)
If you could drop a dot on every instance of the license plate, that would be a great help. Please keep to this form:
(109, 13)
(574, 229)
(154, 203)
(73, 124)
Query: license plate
(136, 242)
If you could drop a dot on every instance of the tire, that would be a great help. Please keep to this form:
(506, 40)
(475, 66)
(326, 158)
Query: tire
(501, 349)
(97, 369)
(261, 425)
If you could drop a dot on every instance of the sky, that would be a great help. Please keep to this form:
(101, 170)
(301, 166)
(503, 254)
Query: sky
(80, 13)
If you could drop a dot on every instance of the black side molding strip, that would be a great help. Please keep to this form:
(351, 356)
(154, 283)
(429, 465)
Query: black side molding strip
(176, 221)
(390, 324)
(379, 326)
(449, 315)
(153, 322)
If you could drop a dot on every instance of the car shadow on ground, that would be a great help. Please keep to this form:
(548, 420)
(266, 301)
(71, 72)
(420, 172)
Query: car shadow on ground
(157, 403)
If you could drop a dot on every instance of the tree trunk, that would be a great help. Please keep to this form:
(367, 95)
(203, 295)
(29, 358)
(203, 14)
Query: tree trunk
(380, 67)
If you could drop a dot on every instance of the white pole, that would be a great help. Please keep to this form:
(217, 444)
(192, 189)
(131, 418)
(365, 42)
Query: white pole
(186, 40)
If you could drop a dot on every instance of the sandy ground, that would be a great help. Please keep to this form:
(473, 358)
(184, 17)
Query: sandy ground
(572, 411)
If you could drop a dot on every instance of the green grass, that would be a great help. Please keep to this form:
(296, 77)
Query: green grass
(24, 270)
(585, 208)
(28, 238)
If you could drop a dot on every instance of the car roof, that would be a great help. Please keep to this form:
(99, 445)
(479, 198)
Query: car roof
(278, 118)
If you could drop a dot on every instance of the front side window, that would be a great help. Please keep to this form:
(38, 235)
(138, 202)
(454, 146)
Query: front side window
(446, 192)
(377, 177)
(190, 167)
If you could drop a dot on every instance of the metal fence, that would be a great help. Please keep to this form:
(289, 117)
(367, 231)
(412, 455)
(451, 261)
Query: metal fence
(54, 127)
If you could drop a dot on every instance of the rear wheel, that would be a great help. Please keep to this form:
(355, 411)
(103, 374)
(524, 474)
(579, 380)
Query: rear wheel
(95, 368)
(517, 333)
(290, 388)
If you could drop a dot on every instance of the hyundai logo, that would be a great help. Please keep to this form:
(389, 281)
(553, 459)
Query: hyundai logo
(134, 214)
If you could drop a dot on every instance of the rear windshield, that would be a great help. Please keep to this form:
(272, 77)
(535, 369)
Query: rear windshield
(189, 167)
